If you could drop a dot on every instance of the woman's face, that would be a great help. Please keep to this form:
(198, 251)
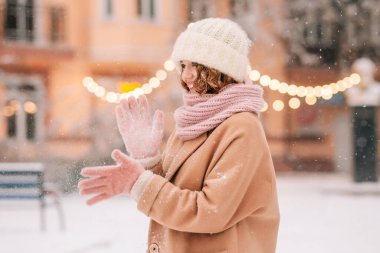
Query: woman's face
(189, 73)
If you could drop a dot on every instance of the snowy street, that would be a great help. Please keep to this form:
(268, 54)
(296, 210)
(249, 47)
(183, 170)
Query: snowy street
(319, 213)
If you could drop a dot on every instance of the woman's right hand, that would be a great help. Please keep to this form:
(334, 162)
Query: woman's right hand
(141, 135)
(110, 180)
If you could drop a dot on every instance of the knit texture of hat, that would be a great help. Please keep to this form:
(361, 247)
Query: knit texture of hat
(216, 43)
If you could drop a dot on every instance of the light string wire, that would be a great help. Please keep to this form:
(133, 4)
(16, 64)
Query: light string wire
(309, 93)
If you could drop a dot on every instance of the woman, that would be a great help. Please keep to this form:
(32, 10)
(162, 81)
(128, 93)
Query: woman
(213, 189)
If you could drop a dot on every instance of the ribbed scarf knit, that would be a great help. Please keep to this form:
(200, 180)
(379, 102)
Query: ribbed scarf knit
(201, 113)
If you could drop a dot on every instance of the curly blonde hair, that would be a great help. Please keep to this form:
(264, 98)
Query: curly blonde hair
(209, 80)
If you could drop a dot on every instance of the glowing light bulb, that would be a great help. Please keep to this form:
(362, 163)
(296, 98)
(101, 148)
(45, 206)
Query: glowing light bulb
(139, 91)
(254, 75)
(92, 86)
(327, 95)
(292, 90)
(147, 89)
(86, 81)
(326, 91)
(334, 88)
(111, 97)
(154, 82)
(294, 103)
(301, 91)
(283, 87)
(341, 86)
(274, 84)
(264, 80)
(161, 74)
(278, 105)
(355, 78)
(169, 65)
(318, 91)
(100, 91)
(30, 107)
(311, 100)
(309, 91)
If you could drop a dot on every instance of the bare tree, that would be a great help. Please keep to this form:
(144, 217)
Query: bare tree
(331, 32)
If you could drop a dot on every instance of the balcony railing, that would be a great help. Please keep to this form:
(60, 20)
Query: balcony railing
(28, 24)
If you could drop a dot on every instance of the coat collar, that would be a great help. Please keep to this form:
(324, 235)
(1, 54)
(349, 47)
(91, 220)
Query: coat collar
(182, 151)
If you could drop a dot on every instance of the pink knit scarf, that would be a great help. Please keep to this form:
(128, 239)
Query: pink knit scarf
(202, 113)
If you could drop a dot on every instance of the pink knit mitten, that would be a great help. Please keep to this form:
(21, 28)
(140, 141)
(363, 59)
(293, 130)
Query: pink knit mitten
(141, 135)
(108, 181)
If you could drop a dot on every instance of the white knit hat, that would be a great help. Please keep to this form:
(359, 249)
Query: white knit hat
(217, 43)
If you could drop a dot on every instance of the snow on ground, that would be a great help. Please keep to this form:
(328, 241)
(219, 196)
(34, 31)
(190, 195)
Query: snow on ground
(319, 213)
(328, 213)
(113, 226)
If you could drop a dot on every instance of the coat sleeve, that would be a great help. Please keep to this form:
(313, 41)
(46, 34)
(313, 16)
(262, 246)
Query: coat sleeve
(154, 164)
(237, 185)
(157, 168)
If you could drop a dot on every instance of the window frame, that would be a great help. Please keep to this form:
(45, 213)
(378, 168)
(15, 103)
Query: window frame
(13, 92)
(17, 9)
(147, 10)
(199, 6)
(107, 9)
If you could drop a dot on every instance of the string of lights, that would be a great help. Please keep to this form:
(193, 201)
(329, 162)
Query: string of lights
(309, 93)
(115, 97)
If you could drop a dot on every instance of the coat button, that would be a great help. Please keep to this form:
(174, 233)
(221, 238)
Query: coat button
(153, 248)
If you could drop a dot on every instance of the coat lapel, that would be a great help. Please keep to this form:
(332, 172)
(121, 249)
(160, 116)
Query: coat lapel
(182, 152)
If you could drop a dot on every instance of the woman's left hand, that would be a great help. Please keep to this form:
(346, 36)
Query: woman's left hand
(108, 181)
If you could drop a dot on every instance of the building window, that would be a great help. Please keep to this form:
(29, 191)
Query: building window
(21, 116)
(239, 7)
(108, 8)
(10, 113)
(331, 33)
(198, 9)
(56, 24)
(146, 9)
(23, 112)
(19, 20)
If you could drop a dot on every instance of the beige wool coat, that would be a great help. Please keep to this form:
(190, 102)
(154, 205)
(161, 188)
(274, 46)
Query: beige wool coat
(213, 194)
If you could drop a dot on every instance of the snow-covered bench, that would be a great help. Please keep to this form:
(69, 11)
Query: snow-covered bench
(26, 181)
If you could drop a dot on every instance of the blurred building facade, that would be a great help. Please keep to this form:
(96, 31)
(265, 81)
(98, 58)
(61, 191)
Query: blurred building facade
(47, 47)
